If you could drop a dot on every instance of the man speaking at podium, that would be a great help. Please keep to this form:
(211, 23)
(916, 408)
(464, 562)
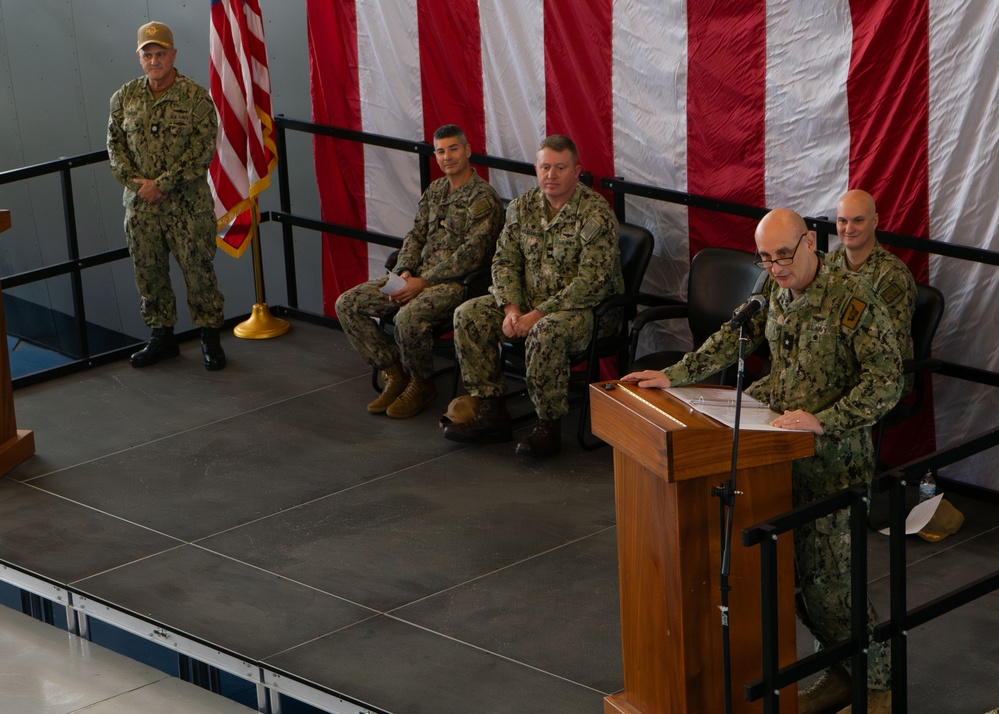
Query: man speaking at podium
(835, 370)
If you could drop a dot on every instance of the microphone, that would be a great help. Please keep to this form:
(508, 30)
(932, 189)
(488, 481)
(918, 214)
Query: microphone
(752, 306)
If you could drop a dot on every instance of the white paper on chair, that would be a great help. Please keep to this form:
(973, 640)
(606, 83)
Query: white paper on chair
(395, 282)
(919, 516)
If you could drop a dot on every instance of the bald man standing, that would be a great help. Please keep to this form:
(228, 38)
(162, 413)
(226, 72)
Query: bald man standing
(835, 371)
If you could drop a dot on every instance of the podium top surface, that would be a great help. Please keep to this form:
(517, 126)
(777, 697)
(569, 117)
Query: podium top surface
(668, 436)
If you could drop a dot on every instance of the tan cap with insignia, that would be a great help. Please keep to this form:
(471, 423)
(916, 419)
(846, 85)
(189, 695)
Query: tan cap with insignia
(155, 32)
(946, 521)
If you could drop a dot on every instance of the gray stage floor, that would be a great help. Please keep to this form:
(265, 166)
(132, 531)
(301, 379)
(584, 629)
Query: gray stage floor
(263, 510)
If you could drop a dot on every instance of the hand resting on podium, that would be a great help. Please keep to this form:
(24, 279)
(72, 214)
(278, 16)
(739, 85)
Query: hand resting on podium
(797, 420)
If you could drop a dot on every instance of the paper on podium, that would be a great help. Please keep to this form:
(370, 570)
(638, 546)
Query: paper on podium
(919, 516)
(395, 282)
(719, 404)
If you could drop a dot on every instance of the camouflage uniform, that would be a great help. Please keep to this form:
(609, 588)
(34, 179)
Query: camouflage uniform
(171, 140)
(563, 267)
(453, 234)
(834, 355)
(896, 287)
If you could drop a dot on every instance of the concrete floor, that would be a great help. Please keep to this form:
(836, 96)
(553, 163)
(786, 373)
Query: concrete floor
(261, 509)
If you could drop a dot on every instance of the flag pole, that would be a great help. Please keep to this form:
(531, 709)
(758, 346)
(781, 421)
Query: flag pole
(261, 325)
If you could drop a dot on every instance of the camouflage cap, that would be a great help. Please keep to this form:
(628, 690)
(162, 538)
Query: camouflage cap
(155, 32)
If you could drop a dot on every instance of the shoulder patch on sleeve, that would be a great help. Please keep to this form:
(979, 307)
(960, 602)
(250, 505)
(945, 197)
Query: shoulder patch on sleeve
(853, 312)
(590, 229)
(891, 293)
(203, 109)
(481, 207)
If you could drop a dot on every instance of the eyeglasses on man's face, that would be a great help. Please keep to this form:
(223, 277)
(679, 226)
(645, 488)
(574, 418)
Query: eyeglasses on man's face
(781, 260)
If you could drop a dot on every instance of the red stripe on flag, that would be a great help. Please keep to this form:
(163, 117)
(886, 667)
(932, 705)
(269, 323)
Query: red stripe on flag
(888, 94)
(726, 116)
(451, 71)
(336, 100)
(239, 83)
(579, 101)
(578, 80)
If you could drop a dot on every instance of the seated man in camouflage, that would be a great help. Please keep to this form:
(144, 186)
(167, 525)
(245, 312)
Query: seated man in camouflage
(454, 234)
(556, 259)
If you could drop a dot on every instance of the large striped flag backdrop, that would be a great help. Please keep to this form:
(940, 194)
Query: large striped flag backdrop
(240, 86)
(764, 102)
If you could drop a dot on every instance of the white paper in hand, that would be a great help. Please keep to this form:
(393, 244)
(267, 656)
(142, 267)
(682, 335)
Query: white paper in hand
(395, 282)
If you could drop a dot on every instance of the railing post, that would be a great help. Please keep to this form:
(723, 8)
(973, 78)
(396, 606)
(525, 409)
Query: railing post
(858, 595)
(424, 172)
(73, 250)
(898, 597)
(769, 624)
(287, 232)
(619, 202)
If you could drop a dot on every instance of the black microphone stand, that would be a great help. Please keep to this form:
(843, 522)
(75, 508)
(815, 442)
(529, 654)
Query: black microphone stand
(726, 493)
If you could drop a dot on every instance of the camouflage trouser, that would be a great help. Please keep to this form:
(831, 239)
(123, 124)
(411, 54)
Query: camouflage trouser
(478, 330)
(414, 324)
(822, 548)
(151, 238)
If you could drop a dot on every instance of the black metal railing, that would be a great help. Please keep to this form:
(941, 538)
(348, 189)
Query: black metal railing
(74, 265)
(766, 536)
(822, 225)
(901, 620)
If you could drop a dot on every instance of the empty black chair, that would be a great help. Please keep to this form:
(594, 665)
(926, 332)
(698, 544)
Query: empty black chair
(925, 320)
(720, 280)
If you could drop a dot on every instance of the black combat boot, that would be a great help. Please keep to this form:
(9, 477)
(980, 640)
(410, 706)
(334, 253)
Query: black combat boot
(543, 441)
(211, 348)
(161, 345)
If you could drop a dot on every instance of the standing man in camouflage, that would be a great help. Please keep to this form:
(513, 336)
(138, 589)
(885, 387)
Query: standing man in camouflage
(835, 370)
(161, 140)
(556, 259)
(860, 252)
(453, 235)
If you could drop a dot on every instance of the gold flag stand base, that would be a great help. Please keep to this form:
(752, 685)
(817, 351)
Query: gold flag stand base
(261, 325)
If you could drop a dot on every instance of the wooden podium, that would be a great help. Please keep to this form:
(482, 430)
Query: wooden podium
(15, 445)
(667, 458)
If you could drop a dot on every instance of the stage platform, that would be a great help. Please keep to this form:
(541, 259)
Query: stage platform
(261, 514)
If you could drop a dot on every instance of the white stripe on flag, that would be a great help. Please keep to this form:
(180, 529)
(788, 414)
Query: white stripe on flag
(964, 171)
(388, 58)
(513, 86)
(808, 129)
(650, 130)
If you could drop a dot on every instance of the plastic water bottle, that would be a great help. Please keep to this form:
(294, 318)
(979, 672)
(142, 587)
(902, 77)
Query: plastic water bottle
(927, 487)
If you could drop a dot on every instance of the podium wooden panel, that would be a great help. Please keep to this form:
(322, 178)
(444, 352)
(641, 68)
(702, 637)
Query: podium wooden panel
(15, 445)
(667, 458)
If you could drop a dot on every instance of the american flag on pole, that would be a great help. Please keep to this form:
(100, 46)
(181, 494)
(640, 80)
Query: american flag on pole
(240, 86)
